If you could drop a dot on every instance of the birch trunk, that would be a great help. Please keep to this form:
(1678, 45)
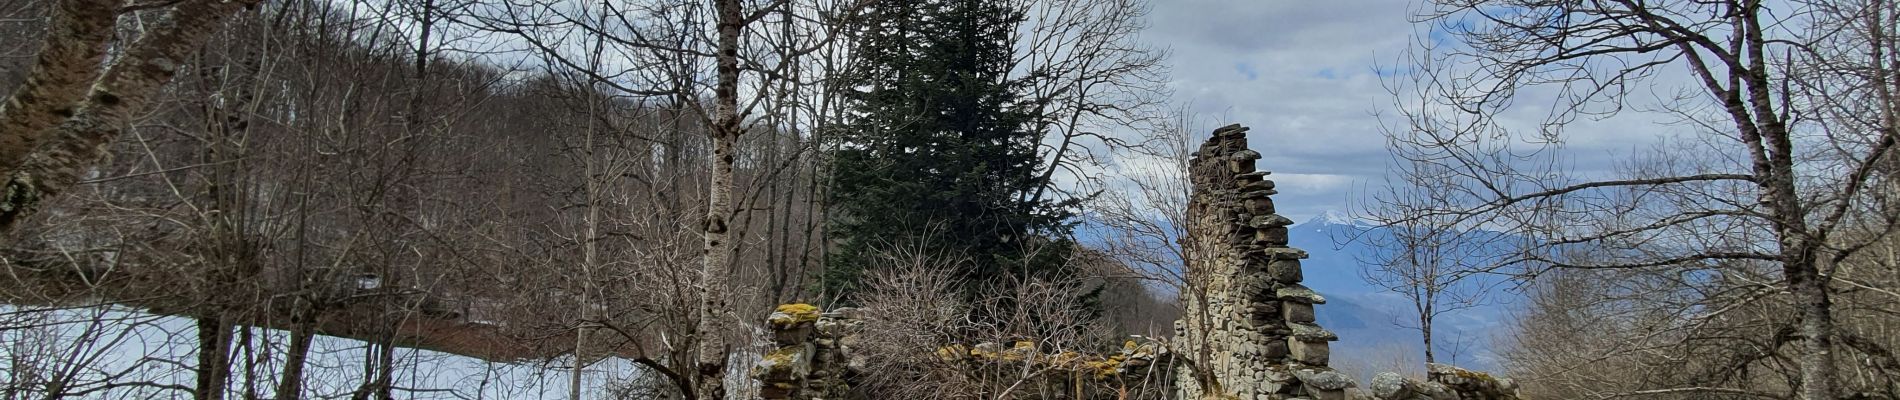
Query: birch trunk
(66, 66)
(714, 308)
(127, 85)
(1818, 372)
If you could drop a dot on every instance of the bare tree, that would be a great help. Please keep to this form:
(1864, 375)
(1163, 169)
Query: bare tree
(1100, 90)
(1423, 257)
(1775, 179)
(358, 170)
(667, 50)
(1142, 224)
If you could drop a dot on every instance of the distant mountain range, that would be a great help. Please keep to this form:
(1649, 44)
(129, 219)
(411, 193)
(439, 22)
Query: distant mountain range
(1375, 325)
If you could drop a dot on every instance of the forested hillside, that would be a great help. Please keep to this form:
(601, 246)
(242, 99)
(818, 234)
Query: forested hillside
(956, 199)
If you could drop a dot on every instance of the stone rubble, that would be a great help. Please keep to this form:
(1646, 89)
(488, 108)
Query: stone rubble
(1444, 382)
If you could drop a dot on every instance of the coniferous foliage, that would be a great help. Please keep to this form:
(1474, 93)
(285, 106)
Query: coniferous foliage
(940, 157)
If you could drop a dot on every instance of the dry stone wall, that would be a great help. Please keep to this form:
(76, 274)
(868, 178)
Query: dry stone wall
(1444, 382)
(1250, 326)
(817, 358)
(812, 359)
(1249, 331)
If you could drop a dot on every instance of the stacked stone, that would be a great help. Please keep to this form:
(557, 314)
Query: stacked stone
(1249, 328)
(832, 367)
(810, 362)
(1444, 382)
(1133, 364)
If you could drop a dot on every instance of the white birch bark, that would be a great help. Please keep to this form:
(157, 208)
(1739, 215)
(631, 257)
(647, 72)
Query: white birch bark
(714, 308)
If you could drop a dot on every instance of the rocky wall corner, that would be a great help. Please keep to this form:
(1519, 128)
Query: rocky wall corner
(811, 361)
(1249, 330)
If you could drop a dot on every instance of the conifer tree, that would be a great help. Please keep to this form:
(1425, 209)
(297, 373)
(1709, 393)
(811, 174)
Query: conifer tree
(940, 157)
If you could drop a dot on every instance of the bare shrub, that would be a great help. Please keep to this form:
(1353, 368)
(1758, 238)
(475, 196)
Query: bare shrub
(1022, 339)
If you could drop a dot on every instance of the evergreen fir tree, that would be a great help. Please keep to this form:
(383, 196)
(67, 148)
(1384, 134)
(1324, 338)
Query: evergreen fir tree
(939, 156)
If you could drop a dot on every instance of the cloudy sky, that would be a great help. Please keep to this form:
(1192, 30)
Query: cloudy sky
(1301, 73)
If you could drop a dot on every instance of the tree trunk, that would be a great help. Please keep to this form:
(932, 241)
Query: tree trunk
(386, 369)
(127, 85)
(574, 376)
(1800, 249)
(1801, 259)
(67, 64)
(714, 308)
(1817, 326)
(1425, 331)
(214, 366)
(247, 338)
(290, 385)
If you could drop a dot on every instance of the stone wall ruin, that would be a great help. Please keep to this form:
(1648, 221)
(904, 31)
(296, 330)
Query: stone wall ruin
(1249, 331)
(811, 360)
(1250, 326)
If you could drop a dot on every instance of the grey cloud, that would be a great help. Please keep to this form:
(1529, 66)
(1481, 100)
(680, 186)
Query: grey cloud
(1312, 94)
(1300, 73)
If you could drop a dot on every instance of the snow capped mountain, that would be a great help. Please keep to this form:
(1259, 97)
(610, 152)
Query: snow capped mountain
(1337, 217)
(1371, 321)
(1374, 324)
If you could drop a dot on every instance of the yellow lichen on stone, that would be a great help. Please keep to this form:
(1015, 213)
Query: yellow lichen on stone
(793, 314)
(988, 351)
(952, 352)
(1021, 350)
(1103, 369)
(1066, 359)
(780, 364)
(783, 356)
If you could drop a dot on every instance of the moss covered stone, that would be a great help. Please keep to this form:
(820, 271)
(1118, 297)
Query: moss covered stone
(795, 314)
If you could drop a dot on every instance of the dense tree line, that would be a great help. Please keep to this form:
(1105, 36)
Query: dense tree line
(512, 181)
(565, 184)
